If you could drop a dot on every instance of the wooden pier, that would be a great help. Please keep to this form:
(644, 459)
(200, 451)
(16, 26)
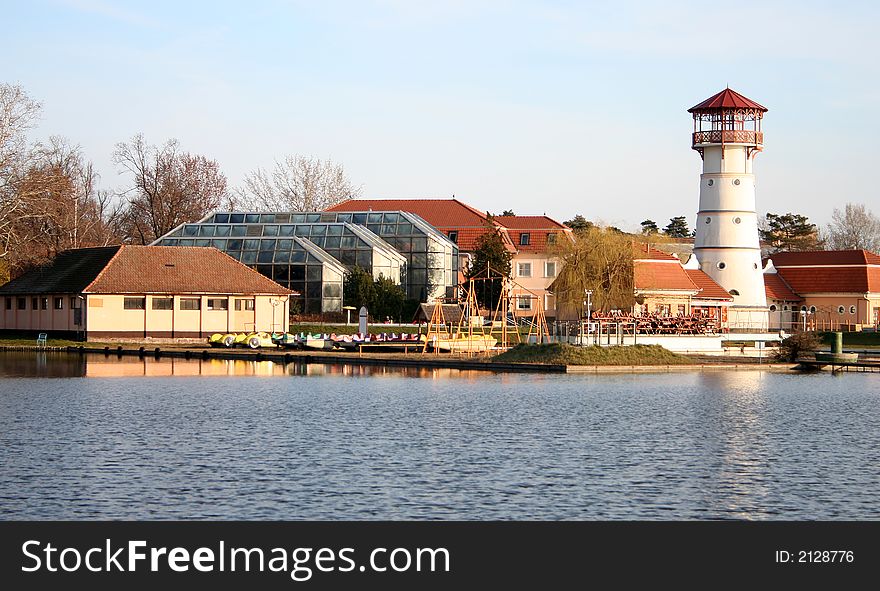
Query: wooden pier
(866, 365)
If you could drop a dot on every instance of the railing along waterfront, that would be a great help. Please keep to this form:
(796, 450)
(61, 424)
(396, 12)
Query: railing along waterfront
(728, 136)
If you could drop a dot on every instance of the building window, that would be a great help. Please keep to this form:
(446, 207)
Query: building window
(773, 307)
(524, 269)
(244, 305)
(549, 269)
(190, 303)
(163, 303)
(22, 303)
(75, 303)
(453, 236)
(812, 309)
(524, 239)
(35, 304)
(59, 303)
(218, 304)
(44, 303)
(8, 303)
(134, 303)
(524, 303)
(551, 238)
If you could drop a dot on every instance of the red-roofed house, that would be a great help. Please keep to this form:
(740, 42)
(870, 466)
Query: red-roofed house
(531, 240)
(536, 263)
(838, 289)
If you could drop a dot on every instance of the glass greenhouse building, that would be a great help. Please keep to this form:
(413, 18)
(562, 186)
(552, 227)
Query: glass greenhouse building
(310, 252)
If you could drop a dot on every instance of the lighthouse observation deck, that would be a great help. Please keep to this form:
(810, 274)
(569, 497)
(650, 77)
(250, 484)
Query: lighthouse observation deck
(728, 136)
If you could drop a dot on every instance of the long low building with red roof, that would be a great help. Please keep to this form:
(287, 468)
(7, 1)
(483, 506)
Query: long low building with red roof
(136, 292)
(824, 290)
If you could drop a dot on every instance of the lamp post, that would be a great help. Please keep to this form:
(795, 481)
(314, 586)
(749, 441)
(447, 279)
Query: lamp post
(274, 302)
(588, 293)
(804, 314)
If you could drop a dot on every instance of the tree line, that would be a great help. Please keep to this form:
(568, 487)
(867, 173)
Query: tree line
(852, 227)
(51, 197)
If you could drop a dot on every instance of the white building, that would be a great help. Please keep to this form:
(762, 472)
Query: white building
(727, 135)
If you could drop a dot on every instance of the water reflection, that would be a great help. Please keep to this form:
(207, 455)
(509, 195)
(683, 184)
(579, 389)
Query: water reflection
(222, 444)
(70, 365)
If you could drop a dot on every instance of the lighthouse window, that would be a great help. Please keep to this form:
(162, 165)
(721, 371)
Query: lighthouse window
(841, 309)
(721, 265)
(737, 220)
(733, 292)
(708, 220)
(773, 308)
(710, 182)
(755, 265)
(812, 309)
(852, 309)
(736, 181)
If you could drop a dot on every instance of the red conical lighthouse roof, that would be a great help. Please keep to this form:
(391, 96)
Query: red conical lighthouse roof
(727, 99)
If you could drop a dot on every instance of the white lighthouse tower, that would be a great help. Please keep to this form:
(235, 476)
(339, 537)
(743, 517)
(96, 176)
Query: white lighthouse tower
(727, 134)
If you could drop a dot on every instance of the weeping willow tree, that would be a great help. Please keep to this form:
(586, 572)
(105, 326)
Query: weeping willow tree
(600, 260)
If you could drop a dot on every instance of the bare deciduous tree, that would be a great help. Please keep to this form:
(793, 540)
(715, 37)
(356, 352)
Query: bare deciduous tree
(169, 188)
(297, 183)
(18, 113)
(854, 228)
(65, 208)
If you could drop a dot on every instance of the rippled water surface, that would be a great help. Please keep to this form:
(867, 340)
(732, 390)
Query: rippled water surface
(321, 442)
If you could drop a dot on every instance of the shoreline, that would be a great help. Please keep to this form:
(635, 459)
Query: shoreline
(395, 360)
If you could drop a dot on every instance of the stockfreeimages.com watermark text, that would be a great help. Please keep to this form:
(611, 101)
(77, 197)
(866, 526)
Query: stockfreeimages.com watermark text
(301, 563)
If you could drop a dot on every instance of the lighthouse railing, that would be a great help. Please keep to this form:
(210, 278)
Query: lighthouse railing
(728, 136)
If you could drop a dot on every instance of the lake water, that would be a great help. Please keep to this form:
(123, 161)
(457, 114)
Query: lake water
(129, 439)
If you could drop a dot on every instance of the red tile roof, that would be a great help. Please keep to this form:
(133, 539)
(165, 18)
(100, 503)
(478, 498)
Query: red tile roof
(709, 290)
(440, 213)
(824, 257)
(661, 275)
(777, 289)
(726, 99)
(645, 252)
(529, 222)
(467, 238)
(829, 271)
(179, 270)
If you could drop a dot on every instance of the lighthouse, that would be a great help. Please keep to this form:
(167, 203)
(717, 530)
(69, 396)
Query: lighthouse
(727, 135)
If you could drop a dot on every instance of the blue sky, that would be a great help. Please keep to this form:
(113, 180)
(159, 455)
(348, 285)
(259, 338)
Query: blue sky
(540, 107)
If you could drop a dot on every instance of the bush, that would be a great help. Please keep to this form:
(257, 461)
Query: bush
(797, 345)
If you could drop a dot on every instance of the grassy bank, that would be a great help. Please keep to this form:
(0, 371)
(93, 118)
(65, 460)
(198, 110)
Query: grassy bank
(570, 355)
(20, 341)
